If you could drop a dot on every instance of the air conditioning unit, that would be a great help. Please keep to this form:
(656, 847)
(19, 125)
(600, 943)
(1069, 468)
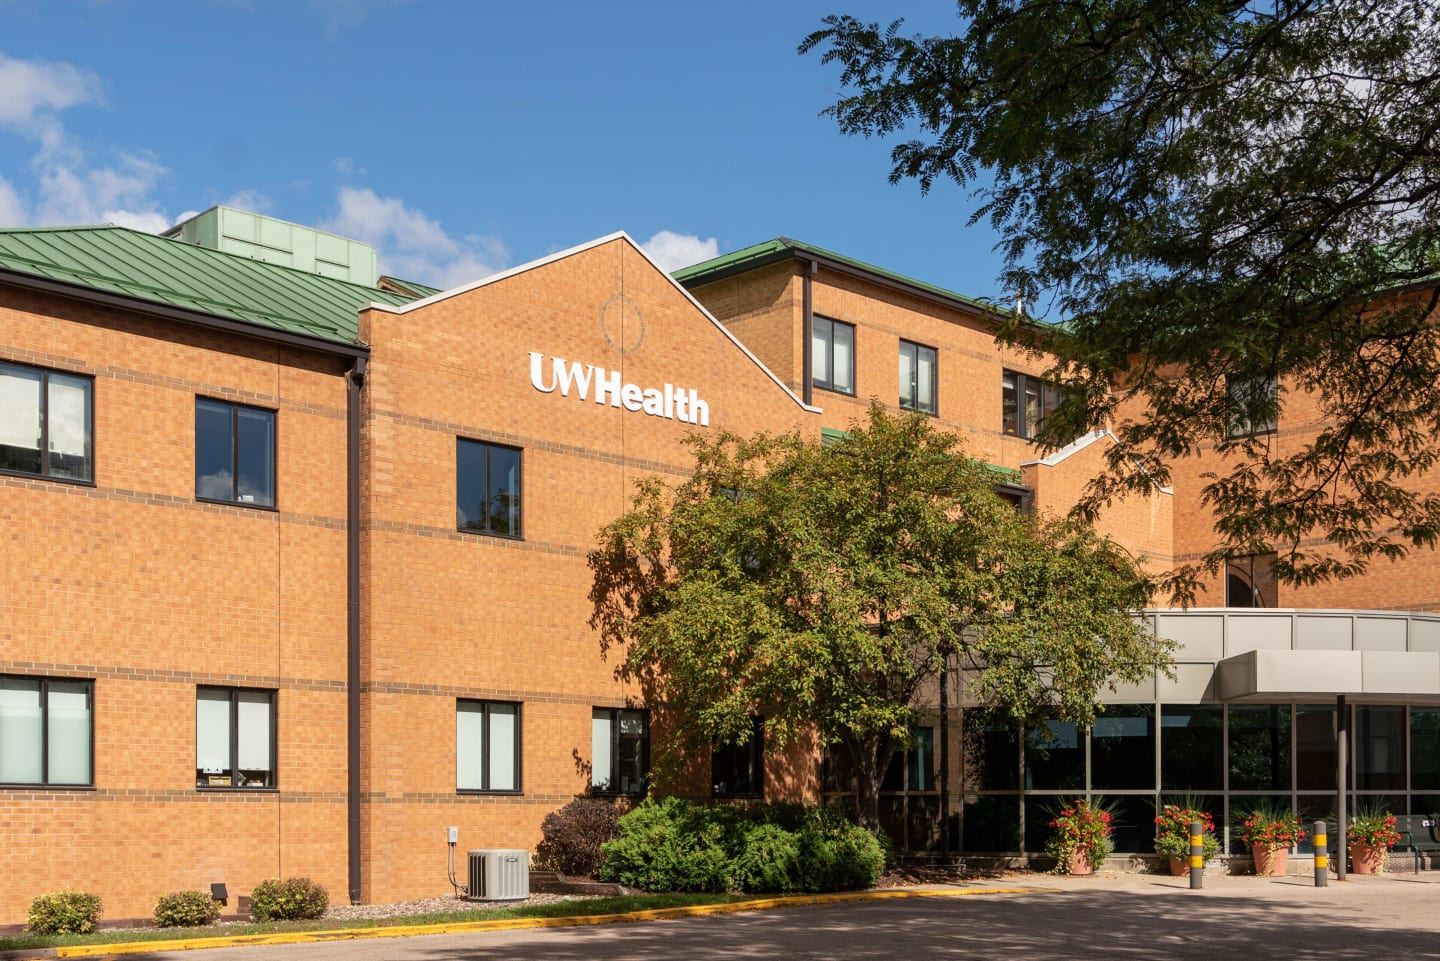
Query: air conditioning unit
(498, 875)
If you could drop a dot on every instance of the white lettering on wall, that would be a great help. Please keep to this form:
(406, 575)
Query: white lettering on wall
(670, 402)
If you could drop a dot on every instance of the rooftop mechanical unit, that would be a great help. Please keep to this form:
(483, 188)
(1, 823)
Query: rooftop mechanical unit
(499, 875)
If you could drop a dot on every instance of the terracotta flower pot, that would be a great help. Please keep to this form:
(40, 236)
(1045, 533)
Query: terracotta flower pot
(1180, 867)
(1078, 862)
(1365, 859)
(1270, 863)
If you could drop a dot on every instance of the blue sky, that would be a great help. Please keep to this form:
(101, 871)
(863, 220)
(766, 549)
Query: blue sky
(465, 137)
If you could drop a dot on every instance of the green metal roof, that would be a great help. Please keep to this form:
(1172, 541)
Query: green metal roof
(772, 251)
(418, 289)
(136, 264)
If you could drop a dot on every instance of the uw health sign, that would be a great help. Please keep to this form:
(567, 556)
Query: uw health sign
(586, 381)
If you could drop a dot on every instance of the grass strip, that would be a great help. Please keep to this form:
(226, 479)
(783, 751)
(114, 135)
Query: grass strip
(558, 909)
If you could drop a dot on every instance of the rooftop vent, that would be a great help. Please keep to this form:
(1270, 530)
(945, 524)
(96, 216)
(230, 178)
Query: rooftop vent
(279, 242)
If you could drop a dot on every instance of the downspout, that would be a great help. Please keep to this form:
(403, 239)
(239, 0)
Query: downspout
(807, 325)
(355, 384)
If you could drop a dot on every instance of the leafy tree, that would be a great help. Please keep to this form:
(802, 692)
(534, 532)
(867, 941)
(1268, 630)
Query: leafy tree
(821, 587)
(1217, 196)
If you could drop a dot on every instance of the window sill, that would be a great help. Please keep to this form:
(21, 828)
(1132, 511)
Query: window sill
(607, 795)
(245, 504)
(75, 481)
(48, 787)
(222, 789)
(834, 390)
(478, 792)
(477, 533)
(737, 796)
(920, 410)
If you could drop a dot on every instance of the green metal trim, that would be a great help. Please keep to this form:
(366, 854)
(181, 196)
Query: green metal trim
(830, 436)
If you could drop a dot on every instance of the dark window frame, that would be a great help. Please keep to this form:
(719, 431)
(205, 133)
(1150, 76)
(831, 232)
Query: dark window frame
(907, 762)
(755, 747)
(44, 782)
(829, 383)
(614, 716)
(234, 499)
(233, 772)
(486, 531)
(912, 402)
(1242, 393)
(1023, 427)
(44, 474)
(518, 751)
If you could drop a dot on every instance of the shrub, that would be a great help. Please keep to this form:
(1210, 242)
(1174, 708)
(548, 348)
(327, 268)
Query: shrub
(186, 909)
(293, 899)
(668, 845)
(672, 845)
(769, 860)
(1172, 831)
(574, 834)
(63, 912)
(838, 855)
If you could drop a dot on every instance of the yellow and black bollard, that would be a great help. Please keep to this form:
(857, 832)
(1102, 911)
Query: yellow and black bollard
(1322, 857)
(1197, 855)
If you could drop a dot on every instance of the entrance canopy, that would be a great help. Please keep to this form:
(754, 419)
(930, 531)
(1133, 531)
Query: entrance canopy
(1278, 675)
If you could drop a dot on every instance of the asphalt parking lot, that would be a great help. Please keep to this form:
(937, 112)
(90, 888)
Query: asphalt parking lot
(1107, 916)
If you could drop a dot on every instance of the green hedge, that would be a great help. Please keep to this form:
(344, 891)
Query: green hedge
(673, 845)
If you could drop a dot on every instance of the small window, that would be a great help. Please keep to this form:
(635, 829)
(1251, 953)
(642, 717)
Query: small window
(1026, 402)
(737, 770)
(47, 423)
(234, 453)
(487, 746)
(913, 770)
(619, 751)
(1250, 581)
(234, 738)
(917, 377)
(1253, 406)
(46, 731)
(832, 355)
(487, 488)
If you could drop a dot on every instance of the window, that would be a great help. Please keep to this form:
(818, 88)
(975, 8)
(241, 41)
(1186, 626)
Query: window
(487, 746)
(832, 355)
(1025, 402)
(737, 770)
(487, 488)
(47, 423)
(917, 377)
(619, 751)
(45, 731)
(1253, 406)
(234, 453)
(1250, 581)
(234, 738)
(913, 770)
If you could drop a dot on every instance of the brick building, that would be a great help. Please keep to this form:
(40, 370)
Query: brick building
(294, 569)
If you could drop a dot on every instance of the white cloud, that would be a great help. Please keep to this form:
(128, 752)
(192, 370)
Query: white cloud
(412, 246)
(12, 208)
(72, 192)
(673, 251)
(31, 91)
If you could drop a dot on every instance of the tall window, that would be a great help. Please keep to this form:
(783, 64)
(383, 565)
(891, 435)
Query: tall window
(737, 770)
(46, 423)
(234, 453)
(1025, 402)
(1253, 406)
(45, 731)
(832, 355)
(487, 488)
(234, 738)
(487, 746)
(913, 770)
(619, 751)
(917, 377)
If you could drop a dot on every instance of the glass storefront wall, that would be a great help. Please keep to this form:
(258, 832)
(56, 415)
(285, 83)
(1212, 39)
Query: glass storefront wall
(1223, 758)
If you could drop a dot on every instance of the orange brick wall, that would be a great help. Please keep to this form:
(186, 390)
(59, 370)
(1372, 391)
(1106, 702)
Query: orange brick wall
(135, 585)
(462, 615)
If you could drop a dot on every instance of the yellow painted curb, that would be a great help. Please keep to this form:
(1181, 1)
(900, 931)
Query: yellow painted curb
(514, 924)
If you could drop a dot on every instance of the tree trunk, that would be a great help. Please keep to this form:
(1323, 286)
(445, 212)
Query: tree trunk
(872, 757)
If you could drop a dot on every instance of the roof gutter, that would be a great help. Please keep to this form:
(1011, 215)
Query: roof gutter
(194, 318)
